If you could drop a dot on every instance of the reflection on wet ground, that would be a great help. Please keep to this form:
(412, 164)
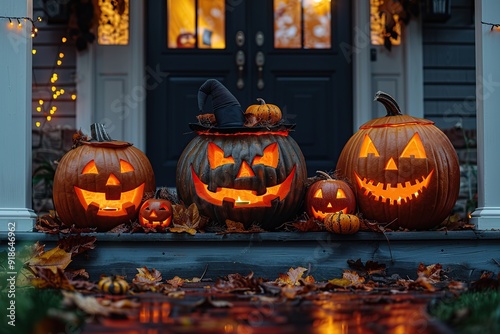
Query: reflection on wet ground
(324, 313)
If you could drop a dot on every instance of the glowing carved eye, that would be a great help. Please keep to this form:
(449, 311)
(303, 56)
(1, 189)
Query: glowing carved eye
(90, 168)
(125, 167)
(216, 156)
(367, 147)
(318, 193)
(414, 148)
(269, 157)
(341, 193)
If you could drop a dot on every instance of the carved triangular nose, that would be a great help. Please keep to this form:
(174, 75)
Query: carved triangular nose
(245, 170)
(391, 165)
(112, 180)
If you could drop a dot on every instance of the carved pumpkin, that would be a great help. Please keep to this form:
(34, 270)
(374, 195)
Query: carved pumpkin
(245, 177)
(341, 223)
(403, 169)
(329, 196)
(101, 183)
(155, 212)
(264, 112)
(115, 285)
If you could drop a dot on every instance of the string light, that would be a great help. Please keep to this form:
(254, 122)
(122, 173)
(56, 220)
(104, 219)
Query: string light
(34, 29)
(493, 25)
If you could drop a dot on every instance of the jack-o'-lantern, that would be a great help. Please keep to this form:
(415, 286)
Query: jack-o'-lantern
(329, 196)
(101, 182)
(245, 175)
(404, 169)
(155, 212)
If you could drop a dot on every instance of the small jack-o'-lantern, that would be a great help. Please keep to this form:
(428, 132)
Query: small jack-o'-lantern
(101, 182)
(155, 212)
(248, 175)
(404, 169)
(329, 196)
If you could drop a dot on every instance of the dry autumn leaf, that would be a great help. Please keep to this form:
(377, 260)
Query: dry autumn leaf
(47, 278)
(309, 225)
(238, 283)
(93, 306)
(370, 268)
(176, 282)
(77, 244)
(432, 272)
(52, 259)
(187, 220)
(294, 277)
(147, 280)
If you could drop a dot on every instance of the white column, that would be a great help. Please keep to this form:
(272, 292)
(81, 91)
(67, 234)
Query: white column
(15, 124)
(487, 215)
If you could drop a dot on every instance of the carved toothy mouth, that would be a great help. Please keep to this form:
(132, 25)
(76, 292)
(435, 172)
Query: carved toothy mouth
(242, 197)
(393, 195)
(322, 214)
(96, 203)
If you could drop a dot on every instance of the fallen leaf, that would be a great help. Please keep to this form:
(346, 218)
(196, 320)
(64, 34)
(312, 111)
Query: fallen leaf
(187, 220)
(370, 268)
(309, 225)
(95, 307)
(54, 259)
(47, 278)
(176, 282)
(77, 244)
(238, 283)
(147, 280)
(293, 276)
(432, 272)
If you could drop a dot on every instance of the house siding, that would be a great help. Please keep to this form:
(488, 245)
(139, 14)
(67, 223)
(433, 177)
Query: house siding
(449, 71)
(449, 68)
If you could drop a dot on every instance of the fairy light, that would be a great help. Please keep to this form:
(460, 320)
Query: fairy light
(20, 19)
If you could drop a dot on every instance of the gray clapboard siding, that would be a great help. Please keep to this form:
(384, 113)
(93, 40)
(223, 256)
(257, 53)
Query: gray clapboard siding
(449, 68)
(463, 254)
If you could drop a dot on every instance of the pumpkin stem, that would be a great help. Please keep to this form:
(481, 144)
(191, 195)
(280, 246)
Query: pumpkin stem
(98, 133)
(389, 103)
(328, 177)
(261, 101)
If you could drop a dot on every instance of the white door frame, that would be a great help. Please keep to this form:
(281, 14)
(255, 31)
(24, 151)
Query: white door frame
(115, 95)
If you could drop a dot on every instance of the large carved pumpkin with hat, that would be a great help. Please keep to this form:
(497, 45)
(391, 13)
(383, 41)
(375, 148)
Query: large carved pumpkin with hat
(252, 175)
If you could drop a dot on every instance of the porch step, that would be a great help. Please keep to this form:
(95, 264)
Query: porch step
(463, 254)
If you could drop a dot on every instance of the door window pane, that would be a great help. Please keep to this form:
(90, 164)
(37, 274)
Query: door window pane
(183, 23)
(112, 28)
(380, 12)
(302, 24)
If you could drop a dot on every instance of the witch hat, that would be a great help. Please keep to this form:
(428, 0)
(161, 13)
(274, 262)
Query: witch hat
(227, 110)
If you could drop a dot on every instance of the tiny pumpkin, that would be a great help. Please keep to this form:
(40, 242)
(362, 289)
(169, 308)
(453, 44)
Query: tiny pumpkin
(155, 212)
(329, 196)
(341, 223)
(115, 285)
(264, 112)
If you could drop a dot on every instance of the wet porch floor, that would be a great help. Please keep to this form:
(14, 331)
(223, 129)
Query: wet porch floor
(200, 311)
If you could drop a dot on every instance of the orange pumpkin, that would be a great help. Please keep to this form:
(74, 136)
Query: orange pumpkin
(403, 169)
(264, 112)
(341, 223)
(329, 196)
(101, 183)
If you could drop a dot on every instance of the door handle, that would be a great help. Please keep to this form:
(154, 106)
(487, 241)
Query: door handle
(240, 62)
(260, 61)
